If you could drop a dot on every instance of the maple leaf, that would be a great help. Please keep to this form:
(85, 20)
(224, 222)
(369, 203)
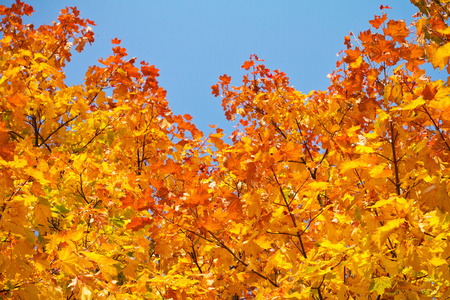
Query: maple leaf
(376, 23)
(225, 79)
(28, 9)
(380, 284)
(385, 7)
(441, 56)
(138, 223)
(397, 30)
(215, 90)
(116, 41)
(248, 64)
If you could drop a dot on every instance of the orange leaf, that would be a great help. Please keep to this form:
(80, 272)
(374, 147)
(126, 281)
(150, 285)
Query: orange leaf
(116, 41)
(429, 92)
(138, 223)
(251, 173)
(225, 79)
(28, 9)
(397, 30)
(215, 90)
(378, 21)
(248, 64)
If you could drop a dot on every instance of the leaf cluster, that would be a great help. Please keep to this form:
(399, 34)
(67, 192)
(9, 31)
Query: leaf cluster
(334, 194)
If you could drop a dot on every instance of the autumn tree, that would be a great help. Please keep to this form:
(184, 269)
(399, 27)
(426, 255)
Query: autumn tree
(335, 194)
(78, 164)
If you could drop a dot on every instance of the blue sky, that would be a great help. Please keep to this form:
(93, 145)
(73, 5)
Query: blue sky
(193, 42)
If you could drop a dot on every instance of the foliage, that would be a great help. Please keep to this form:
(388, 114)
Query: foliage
(339, 194)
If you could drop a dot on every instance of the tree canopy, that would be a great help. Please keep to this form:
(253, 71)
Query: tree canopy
(334, 194)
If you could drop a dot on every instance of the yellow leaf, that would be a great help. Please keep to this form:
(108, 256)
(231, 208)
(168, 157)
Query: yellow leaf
(398, 68)
(354, 164)
(363, 149)
(380, 284)
(385, 231)
(105, 264)
(371, 135)
(357, 63)
(382, 203)
(444, 31)
(392, 224)
(38, 56)
(23, 249)
(68, 261)
(101, 98)
(338, 247)
(380, 172)
(443, 104)
(242, 276)
(295, 295)
(29, 291)
(6, 40)
(436, 261)
(236, 229)
(263, 242)
(42, 213)
(26, 53)
(220, 214)
(414, 104)
(130, 269)
(86, 294)
(278, 261)
(353, 129)
(440, 58)
(318, 185)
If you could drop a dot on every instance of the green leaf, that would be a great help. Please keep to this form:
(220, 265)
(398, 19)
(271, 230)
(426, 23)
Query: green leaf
(118, 222)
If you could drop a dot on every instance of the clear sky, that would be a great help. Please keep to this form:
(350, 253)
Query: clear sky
(193, 42)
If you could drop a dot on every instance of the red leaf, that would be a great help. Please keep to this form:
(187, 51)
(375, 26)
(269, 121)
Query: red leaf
(128, 200)
(28, 9)
(149, 70)
(225, 79)
(215, 90)
(138, 223)
(385, 7)
(248, 64)
(116, 41)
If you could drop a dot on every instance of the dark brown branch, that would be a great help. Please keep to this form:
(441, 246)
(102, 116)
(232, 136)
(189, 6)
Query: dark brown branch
(80, 190)
(319, 288)
(279, 130)
(385, 157)
(59, 127)
(284, 199)
(304, 140)
(97, 133)
(190, 231)
(194, 257)
(303, 252)
(394, 159)
(14, 135)
(241, 261)
(282, 233)
(437, 128)
(310, 221)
